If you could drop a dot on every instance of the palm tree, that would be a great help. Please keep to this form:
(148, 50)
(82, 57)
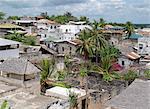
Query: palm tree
(85, 48)
(2, 15)
(84, 18)
(97, 39)
(102, 22)
(47, 68)
(129, 28)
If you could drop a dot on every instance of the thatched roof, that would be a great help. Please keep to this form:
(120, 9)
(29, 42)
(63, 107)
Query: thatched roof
(136, 96)
(18, 66)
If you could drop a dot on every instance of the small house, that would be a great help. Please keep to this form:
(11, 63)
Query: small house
(18, 71)
(128, 59)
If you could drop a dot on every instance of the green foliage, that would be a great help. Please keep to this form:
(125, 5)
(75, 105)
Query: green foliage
(84, 18)
(83, 72)
(147, 73)
(48, 67)
(28, 40)
(102, 22)
(62, 19)
(107, 77)
(61, 84)
(5, 105)
(13, 18)
(73, 98)
(130, 76)
(62, 75)
(129, 28)
(116, 75)
(2, 15)
(86, 47)
(107, 54)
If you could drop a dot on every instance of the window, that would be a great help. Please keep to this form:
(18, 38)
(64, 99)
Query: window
(123, 63)
(51, 27)
(70, 48)
(140, 46)
(66, 30)
(54, 27)
(63, 49)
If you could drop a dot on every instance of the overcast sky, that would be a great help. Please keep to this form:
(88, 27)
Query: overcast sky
(137, 11)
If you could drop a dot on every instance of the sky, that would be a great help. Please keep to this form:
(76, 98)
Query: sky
(136, 11)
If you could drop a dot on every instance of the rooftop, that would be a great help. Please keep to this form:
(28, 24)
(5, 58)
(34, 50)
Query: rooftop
(4, 42)
(136, 96)
(18, 66)
(135, 36)
(10, 26)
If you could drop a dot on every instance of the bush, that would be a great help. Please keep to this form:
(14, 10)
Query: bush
(147, 74)
(130, 76)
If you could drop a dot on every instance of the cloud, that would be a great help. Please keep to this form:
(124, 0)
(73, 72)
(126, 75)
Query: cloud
(38, 3)
(111, 10)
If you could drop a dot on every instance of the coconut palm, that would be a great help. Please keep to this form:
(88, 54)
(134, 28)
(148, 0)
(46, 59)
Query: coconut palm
(84, 18)
(47, 69)
(102, 22)
(86, 47)
(97, 39)
(129, 28)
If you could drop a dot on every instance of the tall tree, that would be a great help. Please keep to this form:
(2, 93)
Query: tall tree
(47, 69)
(86, 47)
(84, 18)
(97, 39)
(13, 18)
(129, 28)
(68, 14)
(44, 14)
(102, 22)
(2, 15)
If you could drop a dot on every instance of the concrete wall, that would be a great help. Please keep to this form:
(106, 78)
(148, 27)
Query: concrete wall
(144, 46)
(66, 48)
(127, 62)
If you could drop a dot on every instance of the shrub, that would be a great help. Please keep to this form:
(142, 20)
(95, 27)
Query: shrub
(147, 74)
(130, 76)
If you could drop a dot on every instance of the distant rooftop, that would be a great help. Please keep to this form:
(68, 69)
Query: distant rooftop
(9, 26)
(4, 42)
(135, 36)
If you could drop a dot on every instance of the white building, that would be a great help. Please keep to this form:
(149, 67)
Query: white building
(144, 46)
(8, 49)
(70, 30)
(50, 29)
(47, 28)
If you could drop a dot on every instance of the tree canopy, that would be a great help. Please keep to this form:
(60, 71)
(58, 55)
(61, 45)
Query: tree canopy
(2, 15)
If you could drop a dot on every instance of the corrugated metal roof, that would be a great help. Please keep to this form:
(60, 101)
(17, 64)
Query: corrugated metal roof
(4, 42)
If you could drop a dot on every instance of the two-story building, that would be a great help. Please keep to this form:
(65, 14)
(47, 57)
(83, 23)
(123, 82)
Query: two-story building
(62, 47)
(47, 28)
(70, 30)
(8, 49)
(144, 46)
